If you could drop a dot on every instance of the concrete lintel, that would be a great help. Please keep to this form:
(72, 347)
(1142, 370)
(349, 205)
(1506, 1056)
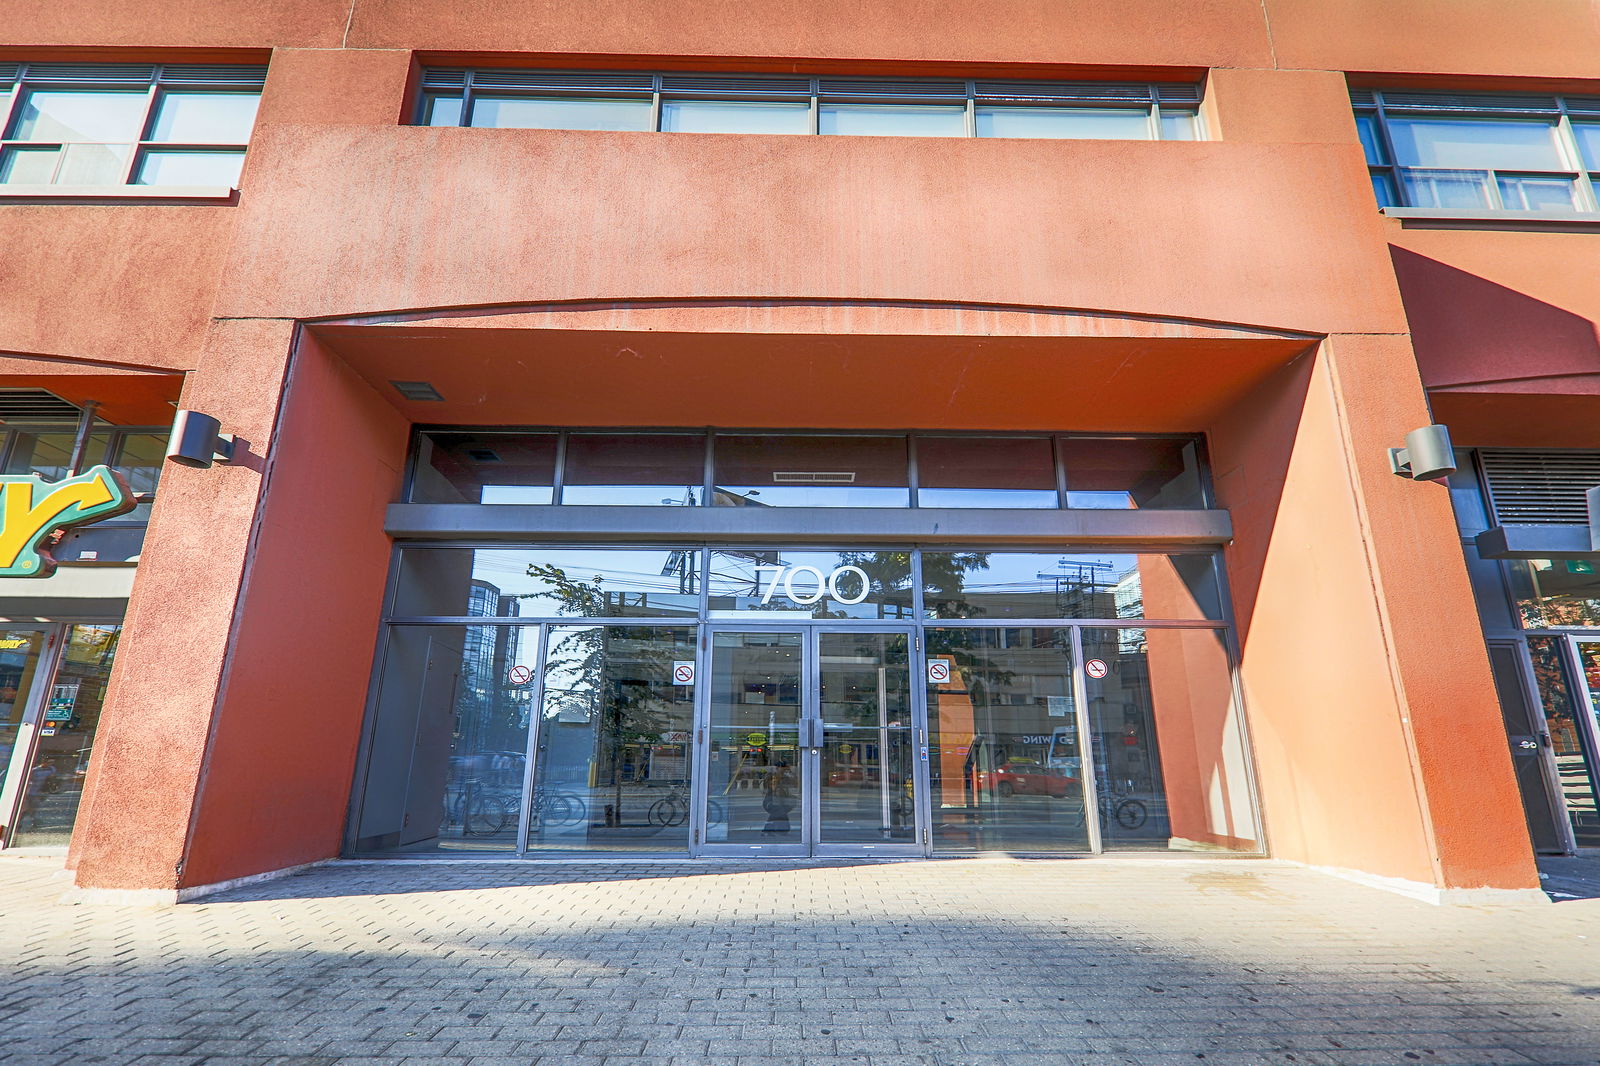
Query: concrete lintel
(804, 525)
(1537, 542)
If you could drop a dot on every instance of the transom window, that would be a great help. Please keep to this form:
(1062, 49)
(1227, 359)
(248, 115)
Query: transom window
(1466, 151)
(883, 107)
(89, 124)
(733, 468)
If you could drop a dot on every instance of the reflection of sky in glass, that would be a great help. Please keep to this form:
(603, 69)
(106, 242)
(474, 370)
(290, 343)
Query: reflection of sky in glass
(798, 582)
(653, 572)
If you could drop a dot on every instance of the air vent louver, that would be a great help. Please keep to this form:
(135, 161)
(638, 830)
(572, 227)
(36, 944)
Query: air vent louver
(35, 405)
(1531, 487)
(417, 391)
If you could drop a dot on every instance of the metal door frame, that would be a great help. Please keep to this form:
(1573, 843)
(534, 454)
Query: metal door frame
(22, 756)
(1555, 799)
(1587, 724)
(809, 844)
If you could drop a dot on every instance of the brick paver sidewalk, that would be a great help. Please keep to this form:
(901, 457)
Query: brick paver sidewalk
(938, 963)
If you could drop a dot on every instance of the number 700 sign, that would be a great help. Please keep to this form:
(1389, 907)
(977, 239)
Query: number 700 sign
(828, 584)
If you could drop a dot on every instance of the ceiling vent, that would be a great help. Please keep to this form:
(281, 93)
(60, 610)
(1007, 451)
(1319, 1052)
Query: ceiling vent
(417, 391)
(482, 455)
(1531, 487)
(35, 405)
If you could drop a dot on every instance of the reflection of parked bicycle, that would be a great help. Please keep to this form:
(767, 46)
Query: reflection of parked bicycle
(481, 812)
(552, 807)
(673, 808)
(1116, 805)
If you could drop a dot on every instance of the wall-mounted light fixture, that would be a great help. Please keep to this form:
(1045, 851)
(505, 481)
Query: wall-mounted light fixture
(196, 442)
(1426, 456)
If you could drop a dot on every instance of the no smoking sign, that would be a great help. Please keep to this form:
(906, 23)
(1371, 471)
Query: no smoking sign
(1096, 668)
(938, 672)
(683, 672)
(519, 675)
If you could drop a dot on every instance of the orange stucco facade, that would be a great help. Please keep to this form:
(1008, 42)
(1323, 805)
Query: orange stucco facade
(1244, 286)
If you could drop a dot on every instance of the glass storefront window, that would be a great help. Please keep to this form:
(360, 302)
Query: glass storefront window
(1005, 760)
(547, 582)
(1553, 593)
(773, 470)
(977, 584)
(641, 470)
(67, 727)
(1170, 755)
(986, 472)
(615, 763)
(1568, 741)
(748, 584)
(485, 468)
(449, 740)
(49, 454)
(1112, 473)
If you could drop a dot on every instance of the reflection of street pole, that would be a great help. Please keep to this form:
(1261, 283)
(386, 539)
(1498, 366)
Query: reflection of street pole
(883, 743)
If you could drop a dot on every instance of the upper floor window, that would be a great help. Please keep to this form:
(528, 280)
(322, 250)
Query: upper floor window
(759, 103)
(1469, 151)
(94, 124)
(46, 450)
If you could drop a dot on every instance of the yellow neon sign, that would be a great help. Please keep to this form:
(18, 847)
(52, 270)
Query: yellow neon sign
(31, 509)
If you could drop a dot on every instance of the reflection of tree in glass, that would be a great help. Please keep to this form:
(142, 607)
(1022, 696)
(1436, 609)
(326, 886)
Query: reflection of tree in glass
(944, 583)
(620, 676)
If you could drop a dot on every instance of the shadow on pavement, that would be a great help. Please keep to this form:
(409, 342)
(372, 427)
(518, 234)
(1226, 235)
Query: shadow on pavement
(1569, 877)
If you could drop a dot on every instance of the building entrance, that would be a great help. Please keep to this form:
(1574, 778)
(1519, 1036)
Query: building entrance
(815, 744)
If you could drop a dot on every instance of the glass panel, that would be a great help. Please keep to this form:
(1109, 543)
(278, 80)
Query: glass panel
(1004, 759)
(29, 166)
(449, 739)
(783, 471)
(1383, 189)
(1575, 764)
(65, 115)
(1180, 126)
(1588, 136)
(94, 164)
(614, 761)
(484, 468)
(1551, 593)
(205, 118)
(66, 733)
(548, 582)
(439, 109)
(1467, 189)
(560, 113)
(986, 472)
(1054, 585)
(1170, 757)
(647, 470)
(735, 116)
(1108, 473)
(189, 168)
(49, 454)
(1519, 193)
(754, 582)
(865, 780)
(1588, 827)
(893, 120)
(1371, 142)
(753, 791)
(19, 663)
(1489, 144)
(140, 459)
(1075, 123)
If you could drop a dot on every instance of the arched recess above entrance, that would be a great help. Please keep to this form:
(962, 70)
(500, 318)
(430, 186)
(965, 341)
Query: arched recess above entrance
(820, 363)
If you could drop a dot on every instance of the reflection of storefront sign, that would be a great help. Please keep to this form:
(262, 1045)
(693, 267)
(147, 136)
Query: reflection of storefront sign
(63, 698)
(31, 509)
(13, 643)
(756, 740)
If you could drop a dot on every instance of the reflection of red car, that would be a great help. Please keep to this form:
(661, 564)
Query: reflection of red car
(853, 775)
(1027, 778)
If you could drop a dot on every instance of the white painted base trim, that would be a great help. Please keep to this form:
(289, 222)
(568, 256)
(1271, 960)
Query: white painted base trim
(1420, 890)
(167, 897)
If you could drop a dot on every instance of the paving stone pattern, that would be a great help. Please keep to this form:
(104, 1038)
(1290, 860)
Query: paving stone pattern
(880, 964)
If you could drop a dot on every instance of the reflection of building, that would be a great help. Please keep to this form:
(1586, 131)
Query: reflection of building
(492, 713)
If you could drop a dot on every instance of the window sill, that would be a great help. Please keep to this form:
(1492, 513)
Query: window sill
(1482, 218)
(119, 193)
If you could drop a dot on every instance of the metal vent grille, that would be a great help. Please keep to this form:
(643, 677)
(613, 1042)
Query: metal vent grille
(8, 74)
(1472, 101)
(214, 74)
(1589, 105)
(1062, 91)
(1363, 98)
(574, 82)
(443, 79)
(1529, 487)
(859, 89)
(96, 73)
(717, 86)
(418, 391)
(35, 405)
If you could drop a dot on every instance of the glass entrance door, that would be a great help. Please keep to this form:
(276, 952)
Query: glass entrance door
(813, 744)
(24, 654)
(1578, 754)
